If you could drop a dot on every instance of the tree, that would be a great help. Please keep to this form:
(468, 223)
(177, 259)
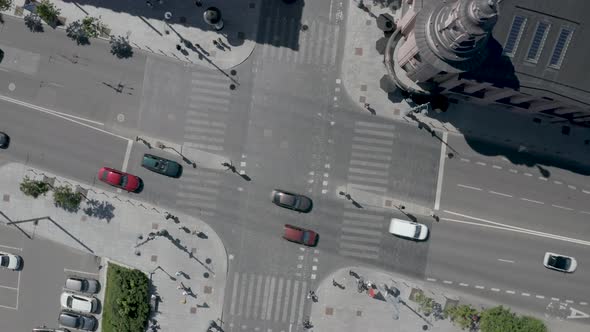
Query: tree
(48, 12)
(33, 22)
(120, 47)
(64, 197)
(462, 315)
(76, 32)
(33, 188)
(5, 4)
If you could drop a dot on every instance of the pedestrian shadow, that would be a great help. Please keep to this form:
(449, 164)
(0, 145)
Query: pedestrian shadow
(101, 210)
(357, 204)
(245, 177)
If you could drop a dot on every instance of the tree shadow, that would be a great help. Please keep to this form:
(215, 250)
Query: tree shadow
(100, 210)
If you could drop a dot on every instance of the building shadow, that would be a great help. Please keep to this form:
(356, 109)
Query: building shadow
(99, 209)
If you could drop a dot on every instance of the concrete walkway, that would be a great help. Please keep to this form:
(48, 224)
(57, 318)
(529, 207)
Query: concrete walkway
(111, 228)
(363, 69)
(147, 29)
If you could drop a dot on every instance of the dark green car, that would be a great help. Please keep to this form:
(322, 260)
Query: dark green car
(161, 165)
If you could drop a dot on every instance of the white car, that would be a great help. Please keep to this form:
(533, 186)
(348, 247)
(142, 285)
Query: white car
(82, 285)
(408, 229)
(10, 261)
(560, 262)
(78, 302)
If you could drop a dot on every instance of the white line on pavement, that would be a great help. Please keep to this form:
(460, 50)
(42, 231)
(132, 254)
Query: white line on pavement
(13, 248)
(18, 288)
(497, 225)
(480, 163)
(463, 284)
(542, 178)
(81, 272)
(510, 292)
(448, 282)
(505, 260)
(528, 174)
(7, 307)
(540, 296)
(554, 299)
(571, 187)
(501, 194)
(495, 289)
(479, 287)
(582, 303)
(557, 182)
(561, 207)
(496, 167)
(468, 187)
(586, 191)
(465, 160)
(525, 294)
(531, 200)
(441, 169)
(431, 279)
(127, 155)
(569, 301)
(513, 171)
(7, 287)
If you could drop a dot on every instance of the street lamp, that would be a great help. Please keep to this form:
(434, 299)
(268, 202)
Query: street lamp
(212, 16)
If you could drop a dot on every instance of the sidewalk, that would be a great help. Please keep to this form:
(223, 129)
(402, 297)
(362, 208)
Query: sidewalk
(342, 310)
(363, 70)
(148, 30)
(111, 229)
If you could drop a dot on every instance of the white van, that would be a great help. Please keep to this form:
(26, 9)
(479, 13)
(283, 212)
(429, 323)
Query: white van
(408, 229)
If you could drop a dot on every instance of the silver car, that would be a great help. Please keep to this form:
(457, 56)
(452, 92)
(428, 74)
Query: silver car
(82, 285)
(77, 321)
(295, 202)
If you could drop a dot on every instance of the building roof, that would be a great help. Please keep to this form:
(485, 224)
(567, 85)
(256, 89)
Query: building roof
(546, 41)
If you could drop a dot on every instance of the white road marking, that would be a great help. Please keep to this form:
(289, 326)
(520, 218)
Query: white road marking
(468, 187)
(13, 248)
(501, 194)
(557, 182)
(561, 207)
(81, 272)
(465, 160)
(554, 299)
(510, 292)
(571, 187)
(542, 178)
(513, 171)
(525, 294)
(584, 303)
(7, 287)
(495, 289)
(463, 284)
(528, 174)
(531, 200)
(447, 282)
(127, 155)
(479, 287)
(505, 260)
(441, 169)
(480, 163)
(497, 225)
(586, 191)
(7, 307)
(496, 167)
(540, 296)
(431, 279)
(569, 301)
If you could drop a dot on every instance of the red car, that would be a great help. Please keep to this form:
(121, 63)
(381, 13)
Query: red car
(119, 179)
(300, 235)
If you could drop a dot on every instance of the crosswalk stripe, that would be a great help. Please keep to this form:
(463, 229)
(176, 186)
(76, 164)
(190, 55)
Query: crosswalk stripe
(370, 148)
(375, 125)
(265, 297)
(232, 307)
(375, 132)
(362, 179)
(202, 138)
(372, 140)
(224, 91)
(197, 205)
(318, 44)
(204, 122)
(204, 146)
(362, 223)
(242, 294)
(210, 84)
(348, 245)
(201, 181)
(279, 298)
(368, 163)
(206, 106)
(377, 189)
(358, 254)
(360, 231)
(256, 307)
(212, 131)
(294, 301)
(249, 297)
(376, 156)
(301, 300)
(211, 76)
(270, 299)
(359, 239)
(367, 171)
(285, 311)
(209, 99)
(327, 44)
(196, 196)
(369, 216)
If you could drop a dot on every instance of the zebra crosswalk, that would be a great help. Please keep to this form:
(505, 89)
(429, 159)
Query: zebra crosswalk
(368, 170)
(287, 40)
(205, 123)
(267, 298)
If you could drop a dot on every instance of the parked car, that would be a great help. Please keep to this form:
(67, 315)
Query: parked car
(79, 303)
(300, 235)
(408, 229)
(77, 321)
(4, 140)
(291, 201)
(161, 165)
(82, 285)
(560, 262)
(10, 261)
(119, 179)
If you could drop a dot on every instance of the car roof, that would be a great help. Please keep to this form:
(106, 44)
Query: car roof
(293, 232)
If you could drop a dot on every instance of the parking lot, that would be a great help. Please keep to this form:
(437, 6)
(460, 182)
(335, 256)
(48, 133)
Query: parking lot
(30, 297)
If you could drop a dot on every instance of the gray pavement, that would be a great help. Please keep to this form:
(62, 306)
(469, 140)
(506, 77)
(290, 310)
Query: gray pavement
(149, 31)
(111, 229)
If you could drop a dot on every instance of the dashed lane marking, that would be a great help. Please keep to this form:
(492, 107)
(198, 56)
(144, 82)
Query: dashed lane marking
(480, 163)
(448, 282)
(479, 287)
(540, 296)
(495, 289)
(510, 292)
(468, 187)
(463, 284)
(465, 160)
(531, 200)
(525, 294)
(501, 194)
(561, 207)
(496, 167)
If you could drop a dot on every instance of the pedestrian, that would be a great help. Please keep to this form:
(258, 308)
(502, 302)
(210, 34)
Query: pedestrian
(178, 48)
(215, 42)
(178, 273)
(198, 46)
(367, 105)
(185, 293)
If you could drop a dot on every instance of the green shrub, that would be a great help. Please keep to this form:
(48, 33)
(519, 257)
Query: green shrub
(5, 4)
(425, 302)
(48, 12)
(33, 188)
(461, 315)
(64, 197)
(500, 319)
(126, 307)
